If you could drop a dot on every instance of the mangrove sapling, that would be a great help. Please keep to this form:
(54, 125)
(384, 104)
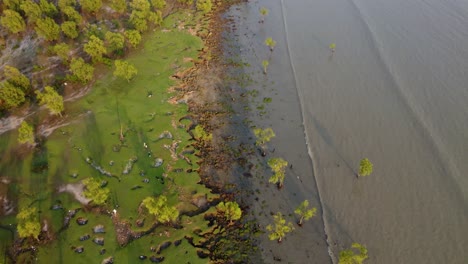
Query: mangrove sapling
(230, 210)
(263, 12)
(25, 133)
(304, 212)
(263, 135)
(350, 256)
(280, 228)
(270, 43)
(265, 64)
(365, 167)
(332, 47)
(278, 166)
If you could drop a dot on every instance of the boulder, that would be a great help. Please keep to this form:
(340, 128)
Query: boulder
(99, 241)
(81, 221)
(98, 229)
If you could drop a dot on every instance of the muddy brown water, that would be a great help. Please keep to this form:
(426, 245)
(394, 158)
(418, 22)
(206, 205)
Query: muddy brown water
(394, 91)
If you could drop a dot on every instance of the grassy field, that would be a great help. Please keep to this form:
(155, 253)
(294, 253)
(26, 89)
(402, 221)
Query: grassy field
(150, 125)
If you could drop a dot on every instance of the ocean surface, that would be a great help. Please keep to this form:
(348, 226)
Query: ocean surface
(394, 91)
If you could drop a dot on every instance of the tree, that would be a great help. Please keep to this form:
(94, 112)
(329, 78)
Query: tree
(51, 99)
(204, 6)
(62, 50)
(349, 256)
(72, 14)
(32, 10)
(125, 70)
(155, 17)
(365, 167)
(95, 48)
(332, 47)
(47, 28)
(48, 8)
(280, 228)
(25, 133)
(138, 20)
(82, 71)
(115, 41)
(263, 12)
(186, 2)
(28, 223)
(69, 29)
(278, 166)
(270, 43)
(230, 210)
(159, 208)
(158, 4)
(95, 192)
(12, 21)
(265, 64)
(10, 96)
(91, 6)
(120, 6)
(62, 4)
(263, 135)
(133, 37)
(304, 212)
(12, 4)
(15, 77)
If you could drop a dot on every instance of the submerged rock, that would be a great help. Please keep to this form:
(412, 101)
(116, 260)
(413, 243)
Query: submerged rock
(136, 187)
(85, 237)
(177, 242)
(102, 251)
(155, 259)
(56, 207)
(202, 254)
(142, 257)
(81, 221)
(166, 134)
(99, 241)
(79, 249)
(146, 180)
(163, 246)
(108, 260)
(98, 229)
(140, 222)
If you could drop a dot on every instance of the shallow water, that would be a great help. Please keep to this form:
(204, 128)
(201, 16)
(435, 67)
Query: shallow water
(394, 91)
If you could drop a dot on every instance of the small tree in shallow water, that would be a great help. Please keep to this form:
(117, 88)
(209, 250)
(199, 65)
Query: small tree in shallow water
(279, 230)
(230, 210)
(263, 12)
(265, 64)
(278, 166)
(270, 43)
(159, 208)
(263, 135)
(28, 223)
(349, 256)
(365, 167)
(94, 191)
(304, 212)
(25, 133)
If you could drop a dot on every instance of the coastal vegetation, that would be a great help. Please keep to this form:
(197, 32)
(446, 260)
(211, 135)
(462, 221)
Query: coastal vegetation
(263, 135)
(280, 228)
(357, 254)
(365, 167)
(278, 166)
(230, 210)
(263, 13)
(304, 212)
(265, 64)
(270, 43)
(25, 133)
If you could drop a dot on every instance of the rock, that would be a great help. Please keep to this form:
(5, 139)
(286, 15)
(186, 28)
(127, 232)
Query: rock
(177, 242)
(140, 222)
(111, 163)
(104, 183)
(163, 246)
(99, 241)
(79, 249)
(56, 207)
(108, 260)
(165, 134)
(98, 229)
(102, 251)
(136, 187)
(146, 180)
(142, 257)
(81, 221)
(158, 162)
(155, 259)
(202, 254)
(85, 237)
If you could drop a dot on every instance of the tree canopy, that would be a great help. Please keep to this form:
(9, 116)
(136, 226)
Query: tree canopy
(62, 50)
(124, 70)
(158, 4)
(48, 8)
(95, 48)
(51, 99)
(25, 133)
(133, 37)
(81, 70)
(230, 210)
(120, 6)
(365, 167)
(69, 29)
(280, 228)
(48, 29)
(10, 96)
(12, 21)
(32, 10)
(159, 208)
(95, 192)
(204, 6)
(115, 41)
(278, 166)
(72, 14)
(350, 256)
(15, 77)
(263, 135)
(304, 212)
(91, 6)
(28, 223)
